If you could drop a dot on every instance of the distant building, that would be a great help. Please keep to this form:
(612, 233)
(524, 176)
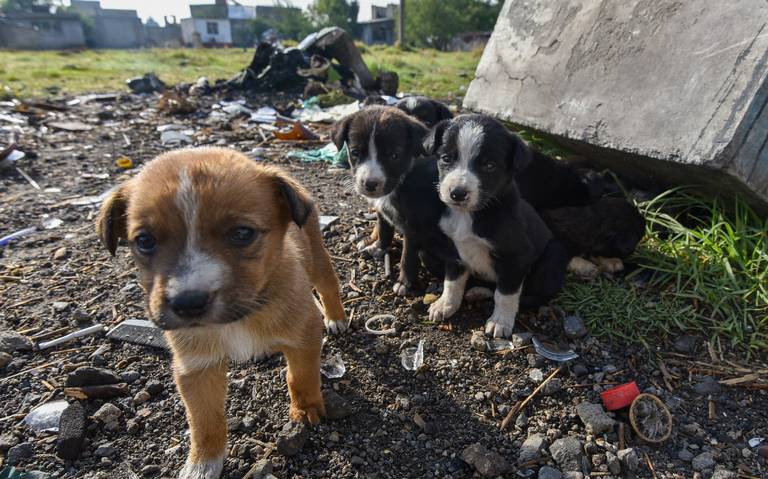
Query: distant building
(110, 28)
(379, 31)
(41, 31)
(168, 36)
(389, 11)
(466, 42)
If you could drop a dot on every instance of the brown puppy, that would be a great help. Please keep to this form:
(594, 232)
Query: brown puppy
(228, 252)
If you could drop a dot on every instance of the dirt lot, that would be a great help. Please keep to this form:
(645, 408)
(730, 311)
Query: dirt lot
(398, 423)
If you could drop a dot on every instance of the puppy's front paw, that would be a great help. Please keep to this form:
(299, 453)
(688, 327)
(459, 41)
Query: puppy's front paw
(499, 325)
(443, 308)
(336, 326)
(210, 469)
(401, 287)
(582, 268)
(310, 413)
(610, 265)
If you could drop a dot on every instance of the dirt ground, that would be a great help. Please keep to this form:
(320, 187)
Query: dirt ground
(399, 423)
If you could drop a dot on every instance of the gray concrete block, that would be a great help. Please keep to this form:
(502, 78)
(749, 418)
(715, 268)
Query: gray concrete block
(663, 90)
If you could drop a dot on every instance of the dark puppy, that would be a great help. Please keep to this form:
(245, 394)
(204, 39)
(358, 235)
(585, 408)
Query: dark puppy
(428, 111)
(384, 152)
(498, 235)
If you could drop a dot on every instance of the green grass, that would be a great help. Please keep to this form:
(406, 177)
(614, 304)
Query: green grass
(39, 74)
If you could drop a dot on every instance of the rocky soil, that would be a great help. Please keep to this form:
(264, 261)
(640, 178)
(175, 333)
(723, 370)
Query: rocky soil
(388, 422)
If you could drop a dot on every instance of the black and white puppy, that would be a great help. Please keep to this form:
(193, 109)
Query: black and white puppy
(385, 154)
(426, 110)
(498, 235)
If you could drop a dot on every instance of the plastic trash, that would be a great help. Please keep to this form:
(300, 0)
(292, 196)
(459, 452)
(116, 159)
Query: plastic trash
(412, 358)
(296, 132)
(50, 223)
(552, 355)
(265, 114)
(45, 418)
(171, 138)
(620, 396)
(381, 320)
(756, 441)
(68, 337)
(124, 162)
(16, 235)
(327, 153)
(138, 331)
(9, 156)
(333, 367)
(326, 221)
(499, 344)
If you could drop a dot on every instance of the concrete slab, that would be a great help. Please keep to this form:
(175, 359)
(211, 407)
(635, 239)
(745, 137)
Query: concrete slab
(672, 91)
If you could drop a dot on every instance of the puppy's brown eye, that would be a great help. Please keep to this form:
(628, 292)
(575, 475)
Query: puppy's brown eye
(145, 243)
(354, 152)
(489, 166)
(242, 236)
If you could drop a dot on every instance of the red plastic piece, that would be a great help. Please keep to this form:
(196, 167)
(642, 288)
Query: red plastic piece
(620, 396)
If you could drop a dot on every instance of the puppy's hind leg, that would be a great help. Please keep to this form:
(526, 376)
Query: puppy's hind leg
(325, 281)
(409, 267)
(547, 276)
(304, 382)
(204, 394)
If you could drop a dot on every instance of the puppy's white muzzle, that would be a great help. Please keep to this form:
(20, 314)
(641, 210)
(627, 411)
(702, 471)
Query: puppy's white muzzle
(460, 188)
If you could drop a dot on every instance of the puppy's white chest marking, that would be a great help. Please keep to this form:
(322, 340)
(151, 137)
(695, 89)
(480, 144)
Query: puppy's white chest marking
(385, 207)
(474, 251)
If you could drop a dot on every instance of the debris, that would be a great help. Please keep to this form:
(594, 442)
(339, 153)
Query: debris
(149, 83)
(326, 221)
(72, 425)
(70, 126)
(329, 154)
(316, 114)
(485, 462)
(45, 418)
(335, 43)
(553, 355)
(272, 69)
(77, 334)
(381, 319)
(567, 453)
(756, 441)
(16, 235)
(109, 415)
(594, 417)
(91, 376)
(620, 397)
(106, 391)
(138, 331)
(173, 103)
(334, 367)
(124, 162)
(650, 418)
(296, 132)
(10, 155)
(532, 448)
(291, 439)
(11, 341)
(412, 358)
(520, 406)
(174, 138)
(574, 328)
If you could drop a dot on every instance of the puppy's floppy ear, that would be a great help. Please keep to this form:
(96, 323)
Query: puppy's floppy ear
(111, 224)
(340, 132)
(295, 198)
(443, 112)
(520, 154)
(434, 138)
(416, 132)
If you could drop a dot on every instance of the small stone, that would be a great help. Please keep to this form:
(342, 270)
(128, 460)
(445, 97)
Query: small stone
(485, 462)
(553, 386)
(573, 475)
(685, 344)
(535, 360)
(708, 385)
(532, 448)
(630, 459)
(154, 387)
(334, 436)
(141, 397)
(381, 348)
(11, 341)
(60, 254)
(685, 455)
(81, 316)
(580, 370)
(536, 375)
(260, 470)
(72, 428)
(336, 407)
(567, 453)
(522, 421)
(5, 359)
(291, 439)
(130, 377)
(357, 461)
(614, 465)
(105, 450)
(60, 306)
(150, 470)
(109, 415)
(91, 376)
(521, 339)
(429, 427)
(18, 453)
(574, 328)
(430, 298)
(7, 441)
(594, 417)
(479, 396)
(703, 461)
(722, 473)
(547, 472)
(478, 341)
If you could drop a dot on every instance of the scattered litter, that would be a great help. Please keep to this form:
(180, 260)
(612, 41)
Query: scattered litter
(10, 155)
(296, 132)
(512, 414)
(10, 472)
(87, 200)
(77, 334)
(333, 367)
(50, 223)
(265, 114)
(12, 119)
(172, 127)
(620, 396)
(28, 178)
(18, 234)
(412, 358)
(380, 319)
(756, 441)
(138, 331)
(316, 114)
(70, 126)
(124, 162)
(149, 83)
(45, 418)
(650, 418)
(328, 154)
(174, 138)
(175, 104)
(552, 355)
(326, 221)
(104, 391)
(96, 176)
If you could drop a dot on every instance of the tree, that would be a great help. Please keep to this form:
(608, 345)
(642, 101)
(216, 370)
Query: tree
(26, 5)
(289, 21)
(335, 13)
(433, 23)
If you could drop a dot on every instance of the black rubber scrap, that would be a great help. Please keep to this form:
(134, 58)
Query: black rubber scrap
(71, 439)
(90, 376)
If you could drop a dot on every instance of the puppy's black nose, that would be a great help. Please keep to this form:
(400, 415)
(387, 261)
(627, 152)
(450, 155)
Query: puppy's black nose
(371, 185)
(458, 194)
(190, 304)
